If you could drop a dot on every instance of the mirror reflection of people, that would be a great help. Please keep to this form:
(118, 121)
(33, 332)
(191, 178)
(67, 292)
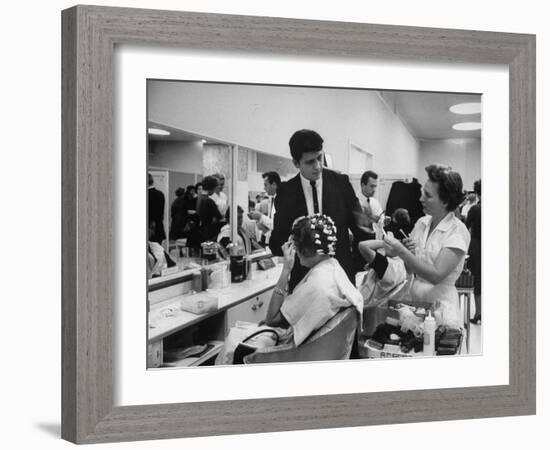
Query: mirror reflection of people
(314, 190)
(436, 249)
(182, 208)
(473, 223)
(246, 238)
(207, 210)
(265, 211)
(157, 258)
(156, 210)
(318, 297)
(198, 188)
(219, 197)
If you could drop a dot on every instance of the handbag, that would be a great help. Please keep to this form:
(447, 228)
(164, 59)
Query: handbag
(243, 349)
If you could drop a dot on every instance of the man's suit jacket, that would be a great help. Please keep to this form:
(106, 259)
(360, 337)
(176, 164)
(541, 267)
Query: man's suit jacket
(339, 202)
(156, 213)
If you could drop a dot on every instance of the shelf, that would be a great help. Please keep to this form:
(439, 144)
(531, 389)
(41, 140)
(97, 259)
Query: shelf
(192, 361)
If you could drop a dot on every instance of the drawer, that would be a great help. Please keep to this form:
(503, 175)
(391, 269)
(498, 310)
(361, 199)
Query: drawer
(253, 310)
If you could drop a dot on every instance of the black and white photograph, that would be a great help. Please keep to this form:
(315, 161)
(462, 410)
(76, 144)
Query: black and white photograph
(290, 224)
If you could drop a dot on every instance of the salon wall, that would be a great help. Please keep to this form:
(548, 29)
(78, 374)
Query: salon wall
(177, 156)
(463, 155)
(264, 118)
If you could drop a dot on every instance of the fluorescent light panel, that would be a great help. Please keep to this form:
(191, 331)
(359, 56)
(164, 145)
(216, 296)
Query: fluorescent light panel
(466, 108)
(467, 126)
(158, 132)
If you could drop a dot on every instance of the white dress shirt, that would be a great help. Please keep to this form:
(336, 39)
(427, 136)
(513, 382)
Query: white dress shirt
(267, 219)
(372, 209)
(308, 193)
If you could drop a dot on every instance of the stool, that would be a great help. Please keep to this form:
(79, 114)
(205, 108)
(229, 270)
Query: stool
(464, 297)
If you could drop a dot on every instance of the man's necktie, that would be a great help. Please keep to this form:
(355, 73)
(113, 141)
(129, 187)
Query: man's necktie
(315, 198)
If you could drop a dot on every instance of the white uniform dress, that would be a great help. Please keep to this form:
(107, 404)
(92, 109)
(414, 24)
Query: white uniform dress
(449, 233)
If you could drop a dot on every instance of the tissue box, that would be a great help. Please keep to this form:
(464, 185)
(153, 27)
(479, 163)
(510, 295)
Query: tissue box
(199, 303)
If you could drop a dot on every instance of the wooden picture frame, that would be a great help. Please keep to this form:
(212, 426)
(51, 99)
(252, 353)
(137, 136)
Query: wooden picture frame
(89, 36)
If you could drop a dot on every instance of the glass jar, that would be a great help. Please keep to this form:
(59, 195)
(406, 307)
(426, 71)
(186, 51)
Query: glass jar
(209, 251)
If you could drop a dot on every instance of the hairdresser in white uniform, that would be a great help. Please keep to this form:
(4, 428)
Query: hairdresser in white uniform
(437, 247)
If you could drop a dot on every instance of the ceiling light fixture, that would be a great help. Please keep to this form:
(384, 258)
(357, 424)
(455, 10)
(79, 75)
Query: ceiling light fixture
(467, 126)
(158, 132)
(466, 108)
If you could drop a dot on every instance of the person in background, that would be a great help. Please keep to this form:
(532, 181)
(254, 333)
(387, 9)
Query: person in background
(400, 223)
(315, 191)
(219, 197)
(245, 237)
(156, 210)
(371, 206)
(198, 188)
(178, 213)
(471, 200)
(272, 181)
(207, 210)
(157, 258)
(473, 223)
(436, 249)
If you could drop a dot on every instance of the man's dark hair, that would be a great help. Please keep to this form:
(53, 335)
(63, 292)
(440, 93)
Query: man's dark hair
(402, 218)
(449, 184)
(304, 141)
(209, 183)
(272, 177)
(368, 174)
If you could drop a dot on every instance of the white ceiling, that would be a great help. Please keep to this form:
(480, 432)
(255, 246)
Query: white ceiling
(427, 115)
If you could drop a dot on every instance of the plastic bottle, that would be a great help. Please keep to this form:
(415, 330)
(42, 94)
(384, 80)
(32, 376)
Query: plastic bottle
(429, 335)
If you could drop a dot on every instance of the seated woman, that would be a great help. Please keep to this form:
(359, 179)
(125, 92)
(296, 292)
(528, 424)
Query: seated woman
(320, 294)
(436, 249)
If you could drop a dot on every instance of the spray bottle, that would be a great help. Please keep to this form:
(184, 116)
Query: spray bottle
(429, 335)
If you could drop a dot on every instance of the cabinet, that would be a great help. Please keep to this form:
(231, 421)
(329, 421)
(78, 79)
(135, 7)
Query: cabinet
(170, 329)
(253, 310)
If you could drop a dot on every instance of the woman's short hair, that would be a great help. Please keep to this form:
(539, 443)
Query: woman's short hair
(449, 185)
(304, 141)
(315, 234)
(477, 187)
(209, 183)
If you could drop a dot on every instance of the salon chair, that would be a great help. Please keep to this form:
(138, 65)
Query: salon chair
(333, 341)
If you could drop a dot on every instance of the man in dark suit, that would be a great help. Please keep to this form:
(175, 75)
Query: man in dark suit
(156, 211)
(315, 190)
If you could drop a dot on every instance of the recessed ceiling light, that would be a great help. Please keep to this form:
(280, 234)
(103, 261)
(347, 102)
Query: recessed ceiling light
(203, 141)
(466, 108)
(467, 126)
(158, 132)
